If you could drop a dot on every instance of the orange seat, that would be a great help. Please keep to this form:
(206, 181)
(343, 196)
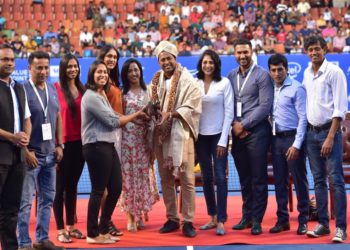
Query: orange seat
(10, 25)
(279, 48)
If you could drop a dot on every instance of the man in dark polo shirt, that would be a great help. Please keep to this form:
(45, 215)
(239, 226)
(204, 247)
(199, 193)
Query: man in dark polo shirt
(251, 131)
(15, 128)
(42, 154)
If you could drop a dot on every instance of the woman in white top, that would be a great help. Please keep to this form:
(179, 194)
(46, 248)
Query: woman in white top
(214, 127)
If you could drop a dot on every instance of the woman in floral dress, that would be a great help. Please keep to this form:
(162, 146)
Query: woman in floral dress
(139, 191)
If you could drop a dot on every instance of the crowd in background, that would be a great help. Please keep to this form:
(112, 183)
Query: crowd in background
(271, 26)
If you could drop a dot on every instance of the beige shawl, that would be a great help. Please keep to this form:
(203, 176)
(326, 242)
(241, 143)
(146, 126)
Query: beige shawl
(188, 105)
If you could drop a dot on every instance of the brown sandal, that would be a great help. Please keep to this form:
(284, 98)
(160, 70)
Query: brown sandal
(75, 233)
(64, 237)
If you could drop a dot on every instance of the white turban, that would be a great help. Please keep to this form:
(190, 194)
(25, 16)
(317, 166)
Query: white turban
(167, 47)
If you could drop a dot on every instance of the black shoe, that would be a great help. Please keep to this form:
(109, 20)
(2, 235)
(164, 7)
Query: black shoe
(113, 230)
(318, 231)
(243, 224)
(188, 230)
(302, 229)
(47, 245)
(279, 227)
(256, 228)
(169, 226)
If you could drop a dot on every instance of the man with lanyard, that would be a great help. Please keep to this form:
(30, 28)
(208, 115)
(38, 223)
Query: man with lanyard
(288, 130)
(43, 151)
(326, 105)
(15, 128)
(251, 131)
(179, 99)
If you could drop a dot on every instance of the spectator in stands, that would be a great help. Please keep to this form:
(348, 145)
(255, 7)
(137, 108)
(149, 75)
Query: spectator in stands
(62, 33)
(103, 9)
(324, 137)
(139, 5)
(288, 156)
(166, 8)
(220, 44)
(85, 37)
(249, 15)
(48, 49)
(238, 9)
(281, 7)
(153, 23)
(39, 39)
(281, 36)
(305, 31)
(149, 43)
(195, 16)
(321, 23)
(247, 34)
(172, 16)
(31, 44)
(198, 7)
(270, 13)
(196, 50)
(17, 45)
(176, 27)
(275, 23)
(339, 42)
(230, 23)
(283, 18)
(155, 35)
(15, 130)
(180, 116)
(55, 47)
(73, 51)
(303, 7)
(311, 23)
(212, 143)
(290, 41)
(65, 44)
(97, 19)
(124, 51)
(49, 34)
(256, 41)
(329, 32)
(142, 33)
(242, 23)
(70, 91)
(251, 134)
(45, 149)
(296, 48)
(217, 17)
(327, 14)
(347, 16)
(136, 44)
(110, 19)
(185, 10)
(204, 40)
(90, 10)
(99, 122)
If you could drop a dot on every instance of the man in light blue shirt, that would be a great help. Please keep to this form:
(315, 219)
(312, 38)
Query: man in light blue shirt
(288, 128)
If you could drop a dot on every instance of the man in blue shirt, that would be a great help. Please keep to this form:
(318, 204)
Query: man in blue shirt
(288, 129)
(251, 133)
(42, 153)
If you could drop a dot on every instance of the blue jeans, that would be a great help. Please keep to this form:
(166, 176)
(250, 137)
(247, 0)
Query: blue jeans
(206, 153)
(321, 168)
(43, 180)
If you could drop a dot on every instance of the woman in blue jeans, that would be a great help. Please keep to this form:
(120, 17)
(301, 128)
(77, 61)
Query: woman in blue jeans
(211, 146)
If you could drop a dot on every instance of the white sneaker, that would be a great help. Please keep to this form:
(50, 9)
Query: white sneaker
(339, 236)
(99, 240)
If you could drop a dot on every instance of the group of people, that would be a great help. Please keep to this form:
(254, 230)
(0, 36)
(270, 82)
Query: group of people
(47, 131)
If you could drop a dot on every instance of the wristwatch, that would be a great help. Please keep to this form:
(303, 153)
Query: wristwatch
(60, 145)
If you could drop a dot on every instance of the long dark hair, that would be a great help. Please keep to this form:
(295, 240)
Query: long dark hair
(64, 82)
(91, 81)
(124, 73)
(217, 62)
(114, 73)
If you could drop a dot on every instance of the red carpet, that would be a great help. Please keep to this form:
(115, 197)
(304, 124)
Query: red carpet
(150, 236)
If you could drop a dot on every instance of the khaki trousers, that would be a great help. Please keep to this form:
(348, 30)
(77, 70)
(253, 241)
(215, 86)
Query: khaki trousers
(187, 181)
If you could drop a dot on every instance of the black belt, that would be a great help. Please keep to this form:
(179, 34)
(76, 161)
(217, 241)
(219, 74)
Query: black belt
(286, 133)
(325, 126)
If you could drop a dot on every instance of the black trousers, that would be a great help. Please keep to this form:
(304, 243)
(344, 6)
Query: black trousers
(250, 156)
(281, 170)
(105, 172)
(11, 182)
(67, 178)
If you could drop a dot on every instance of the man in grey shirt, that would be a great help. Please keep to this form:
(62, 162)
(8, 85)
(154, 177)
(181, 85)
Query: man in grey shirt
(251, 132)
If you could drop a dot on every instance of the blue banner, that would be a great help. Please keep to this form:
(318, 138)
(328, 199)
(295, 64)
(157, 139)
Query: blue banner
(297, 65)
